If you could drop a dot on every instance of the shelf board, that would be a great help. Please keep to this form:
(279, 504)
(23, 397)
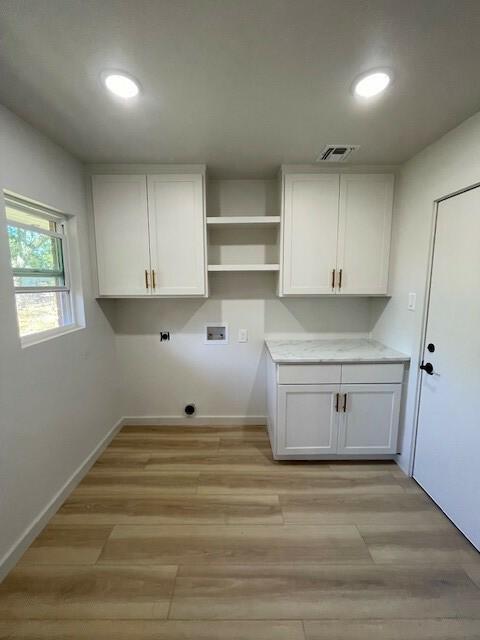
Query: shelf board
(243, 221)
(243, 267)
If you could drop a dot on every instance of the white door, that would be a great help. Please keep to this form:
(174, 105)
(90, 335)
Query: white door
(448, 438)
(177, 234)
(364, 233)
(369, 418)
(310, 233)
(121, 234)
(307, 419)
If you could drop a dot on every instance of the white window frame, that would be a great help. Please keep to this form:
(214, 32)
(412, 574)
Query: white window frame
(29, 206)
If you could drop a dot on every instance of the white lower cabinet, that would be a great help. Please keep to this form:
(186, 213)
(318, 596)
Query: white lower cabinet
(334, 419)
(307, 419)
(369, 419)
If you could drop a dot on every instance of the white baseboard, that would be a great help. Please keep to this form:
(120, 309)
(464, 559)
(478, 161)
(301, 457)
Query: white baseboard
(13, 555)
(195, 421)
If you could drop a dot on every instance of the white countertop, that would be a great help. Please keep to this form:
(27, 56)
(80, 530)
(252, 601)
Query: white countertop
(332, 350)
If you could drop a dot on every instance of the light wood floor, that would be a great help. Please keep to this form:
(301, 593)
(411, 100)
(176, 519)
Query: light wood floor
(195, 533)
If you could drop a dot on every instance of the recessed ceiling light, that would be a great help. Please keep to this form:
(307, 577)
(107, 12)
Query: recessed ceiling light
(120, 84)
(371, 83)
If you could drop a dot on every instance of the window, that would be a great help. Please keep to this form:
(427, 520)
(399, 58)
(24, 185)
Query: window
(39, 258)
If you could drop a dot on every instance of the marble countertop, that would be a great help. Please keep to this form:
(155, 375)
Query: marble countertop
(332, 350)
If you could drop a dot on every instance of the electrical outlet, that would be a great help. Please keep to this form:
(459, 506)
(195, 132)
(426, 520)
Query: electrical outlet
(242, 335)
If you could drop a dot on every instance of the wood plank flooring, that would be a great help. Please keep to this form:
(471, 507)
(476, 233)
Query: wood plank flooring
(196, 533)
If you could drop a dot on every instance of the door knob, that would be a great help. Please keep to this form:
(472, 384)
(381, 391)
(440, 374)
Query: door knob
(427, 367)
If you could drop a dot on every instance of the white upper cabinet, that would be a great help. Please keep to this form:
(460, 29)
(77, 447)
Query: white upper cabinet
(310, 233)
(150, 234)
(364, 233)
(336, 234)
(177, 230)
(121, 234)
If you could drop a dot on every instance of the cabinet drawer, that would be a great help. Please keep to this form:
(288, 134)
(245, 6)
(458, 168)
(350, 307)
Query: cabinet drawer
(309, 373)
(372, 373)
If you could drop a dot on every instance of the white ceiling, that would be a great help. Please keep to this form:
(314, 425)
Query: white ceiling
(243, 85)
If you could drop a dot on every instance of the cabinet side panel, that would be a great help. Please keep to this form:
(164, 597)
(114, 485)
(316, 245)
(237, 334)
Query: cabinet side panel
(271, 400)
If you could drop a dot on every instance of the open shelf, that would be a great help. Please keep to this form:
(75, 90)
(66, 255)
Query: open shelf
(243, 267)
(243, 221)
(243, 227)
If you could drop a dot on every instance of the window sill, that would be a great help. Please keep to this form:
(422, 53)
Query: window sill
(44, 336)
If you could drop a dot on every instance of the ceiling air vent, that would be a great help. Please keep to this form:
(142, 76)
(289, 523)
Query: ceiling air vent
(336, 152)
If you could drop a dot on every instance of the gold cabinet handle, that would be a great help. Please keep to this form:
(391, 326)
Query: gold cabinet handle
(333, 278)
(146, 279)
(154, 282)
(340, 273)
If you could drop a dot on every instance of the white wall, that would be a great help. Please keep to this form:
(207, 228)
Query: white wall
(57, 398)
(225, 381)
(450, 164)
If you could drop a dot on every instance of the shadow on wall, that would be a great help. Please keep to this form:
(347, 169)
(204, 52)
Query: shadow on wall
(280, 315)
(377, 308)
(223, 380)
(109, 309)
(319, 315)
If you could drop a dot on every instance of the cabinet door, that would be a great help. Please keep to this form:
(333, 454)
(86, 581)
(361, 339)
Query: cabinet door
(310, 233)
(121, 234)
(369, 423)
(364, 233)
(177, 234)
(307, 419)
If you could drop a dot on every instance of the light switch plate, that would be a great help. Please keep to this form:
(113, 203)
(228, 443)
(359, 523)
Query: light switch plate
(242, 335)
(412, 301)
